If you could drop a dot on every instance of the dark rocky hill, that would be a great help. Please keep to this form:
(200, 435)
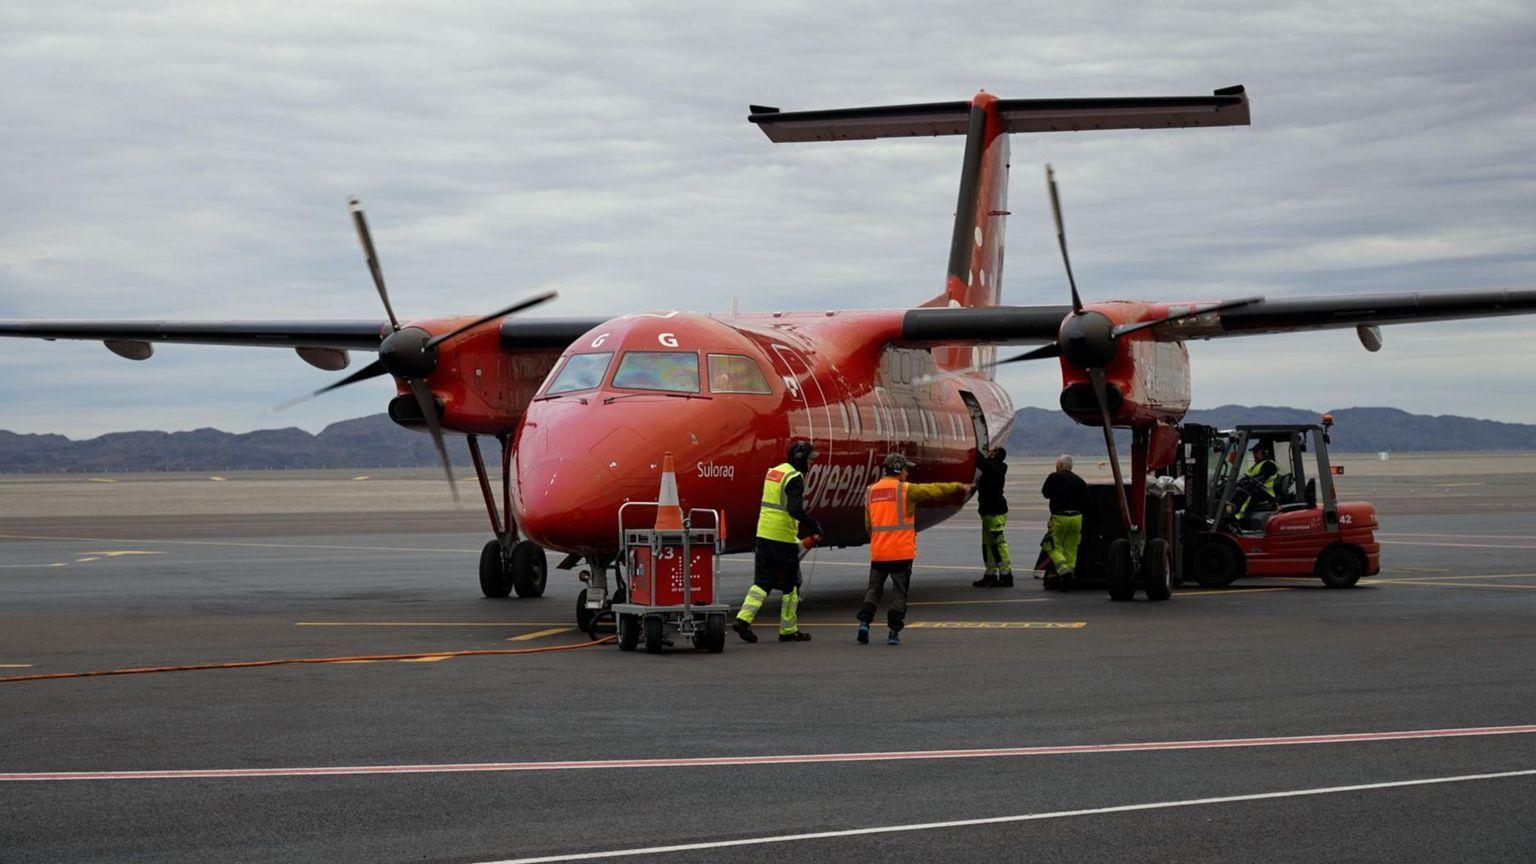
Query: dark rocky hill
(375, 442)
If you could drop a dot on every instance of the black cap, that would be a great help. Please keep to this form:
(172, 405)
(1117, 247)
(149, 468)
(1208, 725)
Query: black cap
(895, 463)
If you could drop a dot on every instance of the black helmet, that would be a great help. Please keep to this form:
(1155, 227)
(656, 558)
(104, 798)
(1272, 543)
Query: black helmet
(894, 464)
(800, 454)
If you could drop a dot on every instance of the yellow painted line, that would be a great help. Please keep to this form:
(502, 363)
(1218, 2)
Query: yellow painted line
(435, 659)
(1228, 591)
(121, 552)
(218, 478)
(363, 477)
(1449, 584)
(967, 625)
(28, 566)
(540, 634)
(1473, 576)
(15, 665)
(430, 624)
(978, 602)
(85, 560)
(100, 480)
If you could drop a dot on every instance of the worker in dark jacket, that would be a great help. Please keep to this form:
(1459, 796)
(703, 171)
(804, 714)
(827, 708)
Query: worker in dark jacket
(782, 522)
(1068, 496)
(993, 509)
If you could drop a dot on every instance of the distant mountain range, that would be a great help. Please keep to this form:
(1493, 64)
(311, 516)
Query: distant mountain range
(375, 442)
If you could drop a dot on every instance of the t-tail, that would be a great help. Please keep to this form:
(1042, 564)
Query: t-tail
(974, 277)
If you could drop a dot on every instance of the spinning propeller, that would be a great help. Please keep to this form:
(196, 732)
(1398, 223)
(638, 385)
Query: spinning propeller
(410, 353)
(1089, 340)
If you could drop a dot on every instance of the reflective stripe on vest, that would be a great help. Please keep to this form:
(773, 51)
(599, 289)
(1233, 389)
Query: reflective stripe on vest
(892, 528)
(773, 519)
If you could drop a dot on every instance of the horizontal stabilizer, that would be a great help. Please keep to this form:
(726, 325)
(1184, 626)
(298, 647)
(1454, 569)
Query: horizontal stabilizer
(1225, 107)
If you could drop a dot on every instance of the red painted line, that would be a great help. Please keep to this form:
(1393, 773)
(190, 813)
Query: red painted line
(799, 759)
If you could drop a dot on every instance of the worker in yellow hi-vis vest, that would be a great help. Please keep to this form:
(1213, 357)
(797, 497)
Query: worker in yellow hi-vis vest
(782, 522)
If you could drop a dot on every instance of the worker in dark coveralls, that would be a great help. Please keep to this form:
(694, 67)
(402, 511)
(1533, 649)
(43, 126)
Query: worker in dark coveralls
(1068, 497)
(992, 506)
(782, 522)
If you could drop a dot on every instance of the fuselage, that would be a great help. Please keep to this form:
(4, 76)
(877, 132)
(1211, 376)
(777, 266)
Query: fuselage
(726, 396)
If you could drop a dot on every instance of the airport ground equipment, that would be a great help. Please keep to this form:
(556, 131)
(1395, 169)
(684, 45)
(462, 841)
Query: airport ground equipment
(671, 584)
(1303, 531)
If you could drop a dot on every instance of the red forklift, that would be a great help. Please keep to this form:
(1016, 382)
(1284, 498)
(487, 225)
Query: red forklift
(1234, 525)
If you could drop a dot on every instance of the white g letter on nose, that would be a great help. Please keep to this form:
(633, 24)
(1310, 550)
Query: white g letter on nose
(668, 339)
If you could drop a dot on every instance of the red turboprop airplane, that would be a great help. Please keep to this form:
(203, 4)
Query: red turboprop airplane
(585, 408)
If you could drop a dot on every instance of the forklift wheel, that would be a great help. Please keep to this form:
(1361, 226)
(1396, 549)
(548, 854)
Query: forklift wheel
(1216, 561)
(1340, 567)
(655, 630)
(1155, 570)
(629, 632)
(1117, 567)
(494, 581)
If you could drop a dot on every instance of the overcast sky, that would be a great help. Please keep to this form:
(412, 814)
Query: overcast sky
(194, 160)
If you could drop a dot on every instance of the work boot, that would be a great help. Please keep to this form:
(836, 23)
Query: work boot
(894, 638)
(744, 630)
(863, 633)
(1064, 575)
(1005, 580)
(987, 581)
(796, 636)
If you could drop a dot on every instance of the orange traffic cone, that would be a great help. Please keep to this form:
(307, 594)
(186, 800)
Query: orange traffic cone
(669, 513)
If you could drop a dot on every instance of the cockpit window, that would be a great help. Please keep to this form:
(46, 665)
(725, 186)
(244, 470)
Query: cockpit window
(672, 371)
(580, 372)
(733, 373)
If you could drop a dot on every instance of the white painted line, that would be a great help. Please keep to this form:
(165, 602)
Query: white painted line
(1002, 820)
(798, 759)
(244, 544)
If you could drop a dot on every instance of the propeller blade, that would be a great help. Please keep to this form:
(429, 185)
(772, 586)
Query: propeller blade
(372, 370)
(1101, 393)
(1061, 235)
(1041, 353)
(429, 411)
(1123, 329)
(373, 258)
(510, 310)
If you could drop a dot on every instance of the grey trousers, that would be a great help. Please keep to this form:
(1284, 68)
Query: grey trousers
(900, 574)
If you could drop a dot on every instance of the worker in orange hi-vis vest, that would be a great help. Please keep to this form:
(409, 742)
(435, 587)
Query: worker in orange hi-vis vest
(890, 517)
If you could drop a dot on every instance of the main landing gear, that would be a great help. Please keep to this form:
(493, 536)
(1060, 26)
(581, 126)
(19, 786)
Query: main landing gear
(507, 564)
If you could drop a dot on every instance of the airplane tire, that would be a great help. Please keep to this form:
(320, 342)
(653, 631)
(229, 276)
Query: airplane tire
(530, 569)
(584, 616)
(655, 631)
(494, 579)
(1118, 570)
(629, 632)
(1216, 562)
(1340, 567)
(1155, 570)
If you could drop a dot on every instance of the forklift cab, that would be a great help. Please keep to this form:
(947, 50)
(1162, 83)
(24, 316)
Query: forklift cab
(1237, 500)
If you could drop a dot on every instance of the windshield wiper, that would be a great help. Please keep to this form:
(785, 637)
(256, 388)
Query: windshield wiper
(609, 400)
(547, 396)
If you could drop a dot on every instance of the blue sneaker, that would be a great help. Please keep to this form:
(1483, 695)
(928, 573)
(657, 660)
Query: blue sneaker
(894, 638)
(863, 633)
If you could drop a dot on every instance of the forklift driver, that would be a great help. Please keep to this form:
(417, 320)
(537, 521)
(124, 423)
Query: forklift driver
(1258, 483)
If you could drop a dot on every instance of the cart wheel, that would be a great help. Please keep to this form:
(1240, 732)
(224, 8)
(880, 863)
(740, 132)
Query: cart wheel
(1155, 570)
(1117, 566)
(1216, 561)
(584, 616)
(714, 634)
(494, 581)
(654, 631)
(629, 632)
(529, 569)
(1340, 567)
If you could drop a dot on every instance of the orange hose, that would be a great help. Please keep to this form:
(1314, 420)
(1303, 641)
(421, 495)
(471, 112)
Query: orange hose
(249, 664)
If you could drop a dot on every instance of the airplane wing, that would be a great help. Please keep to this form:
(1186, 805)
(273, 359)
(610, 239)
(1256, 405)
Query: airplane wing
(136, 336)
(1039, 324)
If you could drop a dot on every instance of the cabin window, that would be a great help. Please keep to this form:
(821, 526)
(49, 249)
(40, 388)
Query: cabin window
(580, 372)
(733, 373)
(669, 371)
